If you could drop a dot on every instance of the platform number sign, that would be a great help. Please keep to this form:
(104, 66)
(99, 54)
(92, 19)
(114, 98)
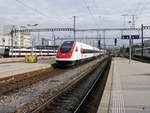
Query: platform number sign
(125, 37)
(135, 37)
(132, 37)
(146, 27)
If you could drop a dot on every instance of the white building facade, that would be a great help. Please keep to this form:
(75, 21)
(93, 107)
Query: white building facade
(20, 39)
(5, 41)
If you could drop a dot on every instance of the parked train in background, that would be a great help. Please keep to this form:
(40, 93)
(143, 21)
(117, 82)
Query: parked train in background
(138, 52)
(20, 52)
(72, 52)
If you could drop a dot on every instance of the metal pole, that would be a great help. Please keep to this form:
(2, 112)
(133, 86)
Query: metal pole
(74, 27)
(32, 41)
(133, 26)
(130, 45)
(12, 36)
(98, 38)
(32, 35)
(54, 42)
(104, 44)
(100, 41)
(142, 40)
(133, 21)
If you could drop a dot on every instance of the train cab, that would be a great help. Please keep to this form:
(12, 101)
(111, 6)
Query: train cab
(65, 53)
(66, 50)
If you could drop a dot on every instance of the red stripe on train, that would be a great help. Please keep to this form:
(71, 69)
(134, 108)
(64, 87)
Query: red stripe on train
(66, 55)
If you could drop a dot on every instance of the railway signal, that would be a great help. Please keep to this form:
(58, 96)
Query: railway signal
(115, 41)
(99, 43)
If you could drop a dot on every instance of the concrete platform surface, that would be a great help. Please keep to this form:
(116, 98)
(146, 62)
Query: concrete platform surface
(131, 87)
(10, 69)
(21, 59)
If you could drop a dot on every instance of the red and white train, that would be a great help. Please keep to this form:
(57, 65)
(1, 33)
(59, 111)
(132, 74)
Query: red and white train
(72, 52)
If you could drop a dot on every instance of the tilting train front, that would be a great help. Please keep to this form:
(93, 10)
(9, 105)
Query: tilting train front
(72, 52)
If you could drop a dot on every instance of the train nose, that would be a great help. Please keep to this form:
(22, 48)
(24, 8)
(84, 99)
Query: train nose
(70, 54)
(64, 55)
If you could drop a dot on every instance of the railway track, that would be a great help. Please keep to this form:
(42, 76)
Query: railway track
(141, 59)
(30, 78)
(72, 96)
(6, 88)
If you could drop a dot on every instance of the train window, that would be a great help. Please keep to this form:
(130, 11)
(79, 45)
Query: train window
(76, 49)
(66, 46)
(87, 51)
(6, 50)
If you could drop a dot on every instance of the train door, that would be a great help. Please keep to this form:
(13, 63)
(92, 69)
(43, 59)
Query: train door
(81, 52)
(6, 52)
(77, 52)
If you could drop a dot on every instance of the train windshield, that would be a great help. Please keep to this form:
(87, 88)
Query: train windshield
(66, 46)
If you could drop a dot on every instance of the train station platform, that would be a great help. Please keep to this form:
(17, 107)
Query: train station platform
(127, 89)
(10, 69)
(22, 59)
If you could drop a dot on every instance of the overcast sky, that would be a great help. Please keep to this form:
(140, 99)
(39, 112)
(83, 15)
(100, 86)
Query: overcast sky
(59, 13)
(51, 13)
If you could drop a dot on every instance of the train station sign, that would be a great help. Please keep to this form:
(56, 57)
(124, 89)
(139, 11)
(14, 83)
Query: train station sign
(146, 27)
(132, 37)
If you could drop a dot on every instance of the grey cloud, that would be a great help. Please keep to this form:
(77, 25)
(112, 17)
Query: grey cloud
(60, 12)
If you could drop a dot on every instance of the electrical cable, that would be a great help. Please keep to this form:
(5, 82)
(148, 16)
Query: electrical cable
(90, 12)
(31, 8)
(144, 7)
(36, 10)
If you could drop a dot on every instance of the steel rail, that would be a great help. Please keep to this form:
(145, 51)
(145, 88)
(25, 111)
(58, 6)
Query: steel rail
(89, 91)
(50, 99)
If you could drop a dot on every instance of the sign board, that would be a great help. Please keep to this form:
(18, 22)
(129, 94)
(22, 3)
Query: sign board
(146, 27)
(132, 37)
(135, 37)
(125, 37)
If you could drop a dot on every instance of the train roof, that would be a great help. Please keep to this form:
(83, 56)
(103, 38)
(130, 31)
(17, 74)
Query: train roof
(87, 45)
(143, 48)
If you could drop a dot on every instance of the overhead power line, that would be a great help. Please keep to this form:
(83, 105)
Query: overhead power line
(90, 12)
(141, 8)
(36, 10)
(144, 8)
(31, 8)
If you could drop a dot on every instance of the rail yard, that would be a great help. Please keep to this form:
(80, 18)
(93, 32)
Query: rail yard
(74, 56)
(93, 86)
(34, 88)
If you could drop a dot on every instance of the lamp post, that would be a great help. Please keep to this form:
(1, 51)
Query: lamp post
(12, 39)
(21, 35)
(142, 40)
(32, 25)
